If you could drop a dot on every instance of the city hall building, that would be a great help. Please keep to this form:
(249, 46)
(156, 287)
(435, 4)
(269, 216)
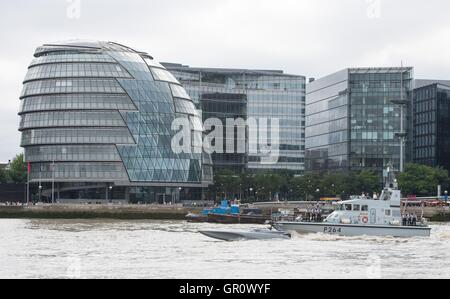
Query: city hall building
(96, 123)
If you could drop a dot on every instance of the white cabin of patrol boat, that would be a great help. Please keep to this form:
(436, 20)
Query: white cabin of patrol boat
(366, 211)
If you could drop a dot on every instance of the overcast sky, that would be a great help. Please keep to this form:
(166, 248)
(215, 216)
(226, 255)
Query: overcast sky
(307, 37)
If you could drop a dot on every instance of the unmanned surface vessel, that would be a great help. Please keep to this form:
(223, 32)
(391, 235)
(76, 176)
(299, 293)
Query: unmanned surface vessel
(259, 234)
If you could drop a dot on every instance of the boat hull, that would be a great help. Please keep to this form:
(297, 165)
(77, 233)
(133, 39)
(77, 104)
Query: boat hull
(236, 219)
(354, 230)
(238, 236)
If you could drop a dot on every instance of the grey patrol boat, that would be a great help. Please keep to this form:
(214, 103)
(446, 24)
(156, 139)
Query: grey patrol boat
(362, 215)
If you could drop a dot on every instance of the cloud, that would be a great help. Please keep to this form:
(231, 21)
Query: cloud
(307, 37)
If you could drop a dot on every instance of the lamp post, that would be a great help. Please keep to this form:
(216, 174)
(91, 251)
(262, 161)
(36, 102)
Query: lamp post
(178, 199)
(402, 135)
(53, 182)
(40, 192)
(109, 195)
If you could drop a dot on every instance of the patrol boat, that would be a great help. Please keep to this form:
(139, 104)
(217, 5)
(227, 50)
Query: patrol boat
(362, 215)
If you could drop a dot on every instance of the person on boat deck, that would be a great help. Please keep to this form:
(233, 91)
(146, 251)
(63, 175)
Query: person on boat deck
(410, 219)
(375, 196)
(414, 220)
(404, 219)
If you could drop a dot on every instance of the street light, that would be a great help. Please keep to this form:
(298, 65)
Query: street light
(110, 196)
(402, 135)
(40, 192)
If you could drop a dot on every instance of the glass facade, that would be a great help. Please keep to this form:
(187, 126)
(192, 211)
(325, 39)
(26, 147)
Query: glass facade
(99, 114)
(352, 120)
(431, 125)
(228, 106)
(263, 94)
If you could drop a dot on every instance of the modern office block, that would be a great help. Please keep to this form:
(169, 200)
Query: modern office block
(266, 94)
(353, 119)
(432, 124)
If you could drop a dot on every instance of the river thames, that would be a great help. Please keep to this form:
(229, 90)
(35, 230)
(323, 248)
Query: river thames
(171, 249)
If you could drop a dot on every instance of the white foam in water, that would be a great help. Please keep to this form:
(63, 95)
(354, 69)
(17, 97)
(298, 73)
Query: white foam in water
(155, 249)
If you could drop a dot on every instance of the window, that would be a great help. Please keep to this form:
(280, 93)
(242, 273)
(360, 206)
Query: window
(365, 208)
(348, 207)
(356, 208)
(387, 212)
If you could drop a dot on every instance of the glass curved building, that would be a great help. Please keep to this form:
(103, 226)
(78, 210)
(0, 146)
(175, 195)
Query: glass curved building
(96, 123)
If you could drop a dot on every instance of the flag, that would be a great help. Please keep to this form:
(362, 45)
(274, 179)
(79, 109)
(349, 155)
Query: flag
(29, 167)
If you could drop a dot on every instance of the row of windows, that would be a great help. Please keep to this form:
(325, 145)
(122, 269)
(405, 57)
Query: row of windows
(423, 118)
(361, 112)
(78, 171)
(72, 119)
(425, 93)
(163, 75)
(152, 62)
(76, 136)
(73, 70)
(318, 141)
(326, 105)
(427, 140)
(77, 102)
(428, 152)
(380, 100)
(81, 57)
(328, 115)
(425, 106)
(328, 127)
(72, 153)
(328, 151)
(134, 64)
(379, 124)
(166, 175)
(382, 76)
(179, 92)
(276, 109)
(373, 150)
(71, 86)
(183, 106)
(375, 136)
(426, 129)
(243, 80)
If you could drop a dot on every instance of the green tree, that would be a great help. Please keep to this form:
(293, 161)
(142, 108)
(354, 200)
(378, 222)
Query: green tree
(227, 183)
(368, 181)
(3, 176)
(18, 170)
(422, 180)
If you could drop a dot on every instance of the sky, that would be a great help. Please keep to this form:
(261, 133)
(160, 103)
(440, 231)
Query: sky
(307, 37)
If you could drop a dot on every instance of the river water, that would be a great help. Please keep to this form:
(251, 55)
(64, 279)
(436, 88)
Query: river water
(170, 249)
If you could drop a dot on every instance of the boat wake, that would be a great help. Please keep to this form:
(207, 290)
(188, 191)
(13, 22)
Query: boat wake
(333, 238)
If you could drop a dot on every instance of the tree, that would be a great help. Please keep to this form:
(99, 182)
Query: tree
(3, 176)
(18, 170)
(422, 180)
(227, 183)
